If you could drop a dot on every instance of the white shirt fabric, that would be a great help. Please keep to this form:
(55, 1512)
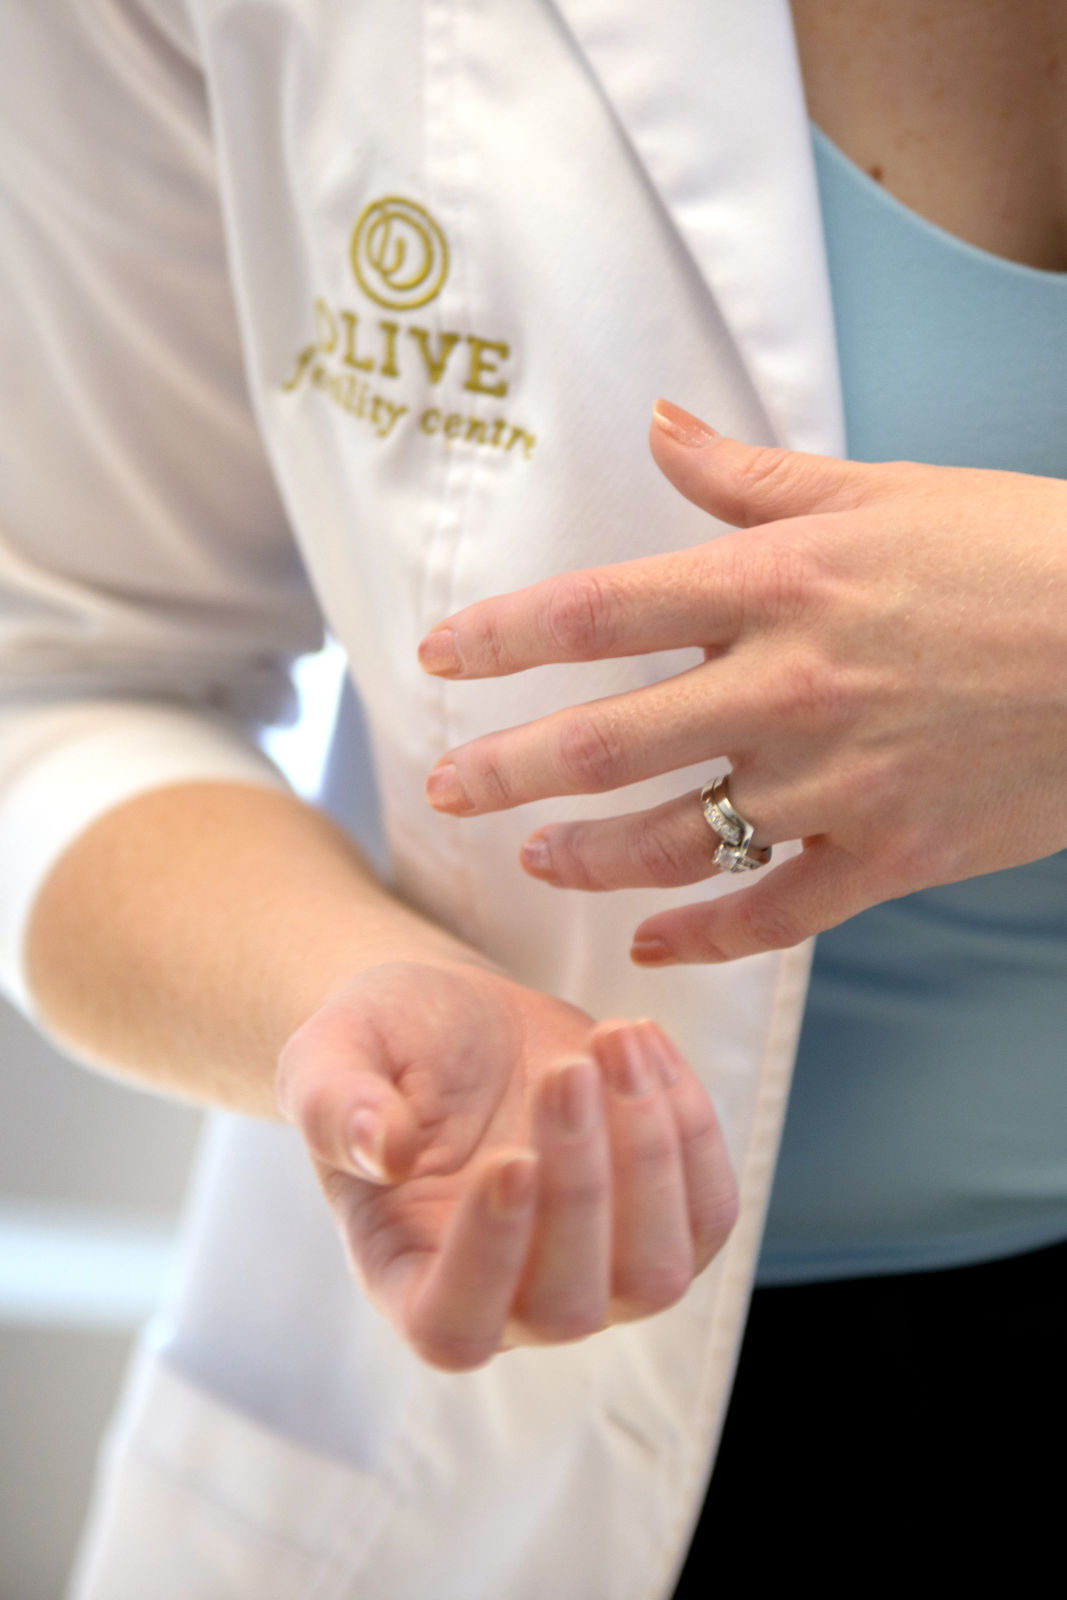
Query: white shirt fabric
(233, 410)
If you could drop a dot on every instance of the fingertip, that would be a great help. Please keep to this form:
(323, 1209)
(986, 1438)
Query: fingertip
(445, 790)
(366, 1146)
(512, 1186)
(535, 858)
(681, 426)
(650, 952)
(438, 653)
(631, 1064)
(647, 1038)
(382, 1143)
(570, 1098)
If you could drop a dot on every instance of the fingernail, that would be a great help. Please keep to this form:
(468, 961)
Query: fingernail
(630, 1070)
(368, 1145)
(512, 1190)
(536, 858)
(651, 953)
(438, 653)
(682, 425)
(575, 1097)
(445, 792)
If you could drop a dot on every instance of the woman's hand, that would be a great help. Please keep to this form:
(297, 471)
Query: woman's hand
(885, 668)
(503, 1171)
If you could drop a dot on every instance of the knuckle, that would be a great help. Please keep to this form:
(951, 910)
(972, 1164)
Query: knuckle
(862, 787)
(772, 582)
(311, 1106)
(782, 581)
(701, 1133)
(564, 1324)
(875, 480)
(813, 693)
(580, 1191)
(770, 470)
(569, 860)
(716, 1226)
(947, 859)
(912, 860)
(579, 616)
(590, 753)
(296, 1078)
(765, 924)
(656, 1147)
(792, 583)
(661, 856)
(490, 781)
(656, 1286)
(452, 1352)
(765, 467)
(489, 643)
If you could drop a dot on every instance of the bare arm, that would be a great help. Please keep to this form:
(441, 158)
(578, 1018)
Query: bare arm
(501, 1168)
(186, 934)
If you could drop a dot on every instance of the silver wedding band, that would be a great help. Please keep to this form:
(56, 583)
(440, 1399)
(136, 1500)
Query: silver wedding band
(736, 852)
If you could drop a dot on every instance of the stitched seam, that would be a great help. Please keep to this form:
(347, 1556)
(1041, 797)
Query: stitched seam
(442, 159)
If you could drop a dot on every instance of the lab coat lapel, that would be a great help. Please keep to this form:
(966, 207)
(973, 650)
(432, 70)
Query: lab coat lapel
(709, 95)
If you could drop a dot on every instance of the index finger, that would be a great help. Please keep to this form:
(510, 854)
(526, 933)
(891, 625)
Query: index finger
(454, 1307)
(662, 602)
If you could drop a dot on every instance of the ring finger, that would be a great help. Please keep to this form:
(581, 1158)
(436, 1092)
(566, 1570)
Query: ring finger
(653, 1254)
(669, 845)
(567, 1279)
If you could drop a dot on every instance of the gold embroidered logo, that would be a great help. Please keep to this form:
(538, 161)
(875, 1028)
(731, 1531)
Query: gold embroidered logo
(381, 371)
(399, 254)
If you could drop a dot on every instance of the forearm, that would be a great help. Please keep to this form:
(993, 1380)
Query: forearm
(186, 934)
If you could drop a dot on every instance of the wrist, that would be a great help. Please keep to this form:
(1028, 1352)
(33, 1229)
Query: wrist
(186, 935)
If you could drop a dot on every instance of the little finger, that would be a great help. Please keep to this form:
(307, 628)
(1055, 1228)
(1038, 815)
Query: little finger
(804, 896)
(668, 845)
(652, 1249)
(709, 1178)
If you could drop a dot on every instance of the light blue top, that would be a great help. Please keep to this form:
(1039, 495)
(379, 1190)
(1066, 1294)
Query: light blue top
(928, 1125)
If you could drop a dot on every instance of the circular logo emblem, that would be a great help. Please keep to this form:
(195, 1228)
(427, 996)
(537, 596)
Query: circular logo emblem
(399, 254)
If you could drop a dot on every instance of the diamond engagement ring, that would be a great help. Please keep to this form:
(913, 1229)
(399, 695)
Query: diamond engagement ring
(736, 853)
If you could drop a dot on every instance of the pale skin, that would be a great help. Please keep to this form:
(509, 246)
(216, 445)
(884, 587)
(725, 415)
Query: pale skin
(885, 647)
(955, 106)
(885, 669)
(502, 1168)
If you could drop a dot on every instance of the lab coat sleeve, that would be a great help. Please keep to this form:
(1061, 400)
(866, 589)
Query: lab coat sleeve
(151, 597)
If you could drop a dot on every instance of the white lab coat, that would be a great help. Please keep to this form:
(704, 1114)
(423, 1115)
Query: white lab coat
(600, 201)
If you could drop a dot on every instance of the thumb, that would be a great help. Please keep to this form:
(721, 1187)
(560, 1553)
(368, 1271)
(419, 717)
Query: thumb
(745, 485)
(349, 1113)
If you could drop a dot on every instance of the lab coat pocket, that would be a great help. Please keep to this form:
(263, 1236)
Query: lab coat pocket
(198, 1501)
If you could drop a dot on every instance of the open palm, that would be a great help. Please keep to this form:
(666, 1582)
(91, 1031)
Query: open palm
(502, 1169)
